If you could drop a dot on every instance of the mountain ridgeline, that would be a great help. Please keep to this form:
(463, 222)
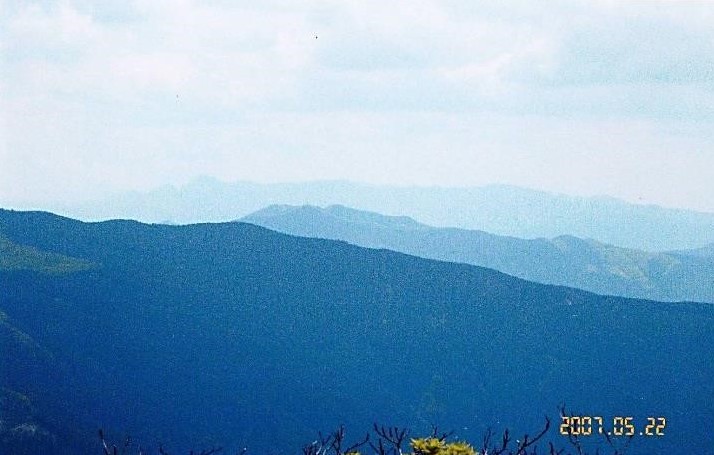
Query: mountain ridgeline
(686, 275)
(499, 209)
(232, 333)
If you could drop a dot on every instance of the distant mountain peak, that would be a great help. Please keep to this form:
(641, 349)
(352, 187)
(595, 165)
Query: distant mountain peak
(334, 212)
(348, 213)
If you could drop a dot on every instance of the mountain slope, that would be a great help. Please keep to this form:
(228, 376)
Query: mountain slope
(34, 385)
(564, 260)
(19, 257)
(500, 209)
(32, 418)
(204, 334)
(705, 252)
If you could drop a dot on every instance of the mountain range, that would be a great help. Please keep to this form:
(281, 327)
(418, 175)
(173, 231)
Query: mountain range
(564, 260)
(233, 333)
(499, 209)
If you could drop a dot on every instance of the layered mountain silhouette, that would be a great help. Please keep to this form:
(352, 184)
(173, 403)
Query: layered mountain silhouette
(499, 209)
(564, 260)
(218, 333)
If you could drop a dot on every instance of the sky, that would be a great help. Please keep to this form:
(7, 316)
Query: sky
(578, 97)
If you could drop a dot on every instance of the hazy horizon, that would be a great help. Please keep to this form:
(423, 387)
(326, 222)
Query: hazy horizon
(590, 98)
(60, 206)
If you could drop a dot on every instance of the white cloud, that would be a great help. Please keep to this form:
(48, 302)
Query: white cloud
(210, 55)
(89, 92)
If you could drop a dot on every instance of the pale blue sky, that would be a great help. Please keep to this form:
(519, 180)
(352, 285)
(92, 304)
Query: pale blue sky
(578, 97)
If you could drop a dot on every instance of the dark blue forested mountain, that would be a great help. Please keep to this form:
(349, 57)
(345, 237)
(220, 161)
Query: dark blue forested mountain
(33, 389)
(22, 366)
(564, 260)
(232, 333)
(499, 209)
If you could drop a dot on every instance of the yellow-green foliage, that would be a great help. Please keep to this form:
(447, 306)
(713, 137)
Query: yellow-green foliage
(21, 257)
(428, 446)
(434, 446)
(459, 448)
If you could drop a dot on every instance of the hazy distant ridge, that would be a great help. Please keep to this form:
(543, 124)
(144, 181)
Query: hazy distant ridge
(565, 260)
(499, 209)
